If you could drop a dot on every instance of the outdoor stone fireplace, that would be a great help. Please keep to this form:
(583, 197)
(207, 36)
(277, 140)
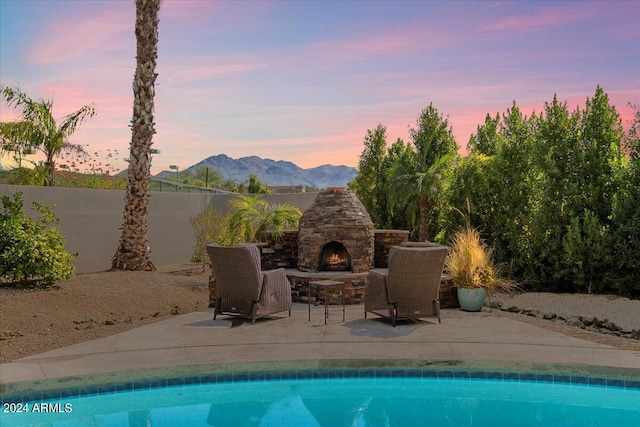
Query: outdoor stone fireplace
(335, 240)
(336, 234)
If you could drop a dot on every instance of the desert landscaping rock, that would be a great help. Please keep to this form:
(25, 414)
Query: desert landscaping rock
(575, 321)
(620, 311)
(623, 310)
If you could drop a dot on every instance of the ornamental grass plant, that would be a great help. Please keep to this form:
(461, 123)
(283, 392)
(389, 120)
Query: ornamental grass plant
(471, 264)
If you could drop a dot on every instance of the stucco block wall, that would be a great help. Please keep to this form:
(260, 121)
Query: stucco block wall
(90, 220)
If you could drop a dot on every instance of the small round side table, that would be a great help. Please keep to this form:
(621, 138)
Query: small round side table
(326, 284)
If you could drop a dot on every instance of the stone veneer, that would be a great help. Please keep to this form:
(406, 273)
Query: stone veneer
(336, 215)
(281, 252)
(384, 240)
(354, 287)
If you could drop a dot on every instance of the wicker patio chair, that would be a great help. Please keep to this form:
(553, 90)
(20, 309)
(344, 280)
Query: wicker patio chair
(410, 287)
(243, 288)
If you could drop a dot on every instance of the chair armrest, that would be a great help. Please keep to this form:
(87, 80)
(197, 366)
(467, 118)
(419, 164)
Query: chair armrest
(375, 291)
(276, 288)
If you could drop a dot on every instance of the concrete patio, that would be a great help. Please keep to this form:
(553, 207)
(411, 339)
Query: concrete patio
(196, 339)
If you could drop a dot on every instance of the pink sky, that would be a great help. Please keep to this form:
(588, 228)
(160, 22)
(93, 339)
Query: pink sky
(303, 81)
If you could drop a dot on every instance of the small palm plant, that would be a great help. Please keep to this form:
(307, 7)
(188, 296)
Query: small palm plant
(252, 218)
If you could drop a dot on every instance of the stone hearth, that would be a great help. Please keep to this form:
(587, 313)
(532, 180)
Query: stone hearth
(338, 219)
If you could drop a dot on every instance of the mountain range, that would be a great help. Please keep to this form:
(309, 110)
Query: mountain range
(272, 172)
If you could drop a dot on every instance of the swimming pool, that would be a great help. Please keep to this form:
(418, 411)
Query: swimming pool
(345, 397)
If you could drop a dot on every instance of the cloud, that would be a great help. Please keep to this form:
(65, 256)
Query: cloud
(554, 17)
(201, 68)
(208, 17)
(65, 40)
(69, 95)
(401, 41)
(356, 48)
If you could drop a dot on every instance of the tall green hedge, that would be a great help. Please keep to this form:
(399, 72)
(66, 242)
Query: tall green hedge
(556, 196)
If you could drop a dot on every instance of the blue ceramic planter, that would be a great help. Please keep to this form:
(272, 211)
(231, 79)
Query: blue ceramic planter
(471, 299)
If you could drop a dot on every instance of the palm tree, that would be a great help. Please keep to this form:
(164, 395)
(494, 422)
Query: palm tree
(38, 129)
(418, 174)
(133, 251)
(253, 218)
(256, 187)
(410, 180)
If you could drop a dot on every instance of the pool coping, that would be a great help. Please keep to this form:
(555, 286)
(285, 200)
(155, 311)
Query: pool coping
(113, 382)
(195, 347)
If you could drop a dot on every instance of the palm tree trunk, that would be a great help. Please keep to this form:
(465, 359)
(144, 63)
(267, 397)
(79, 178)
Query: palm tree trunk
(51, 171)
(425, 216)
(133, 252)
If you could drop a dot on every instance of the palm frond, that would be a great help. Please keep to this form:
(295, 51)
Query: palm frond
(13, 135)
(252, 218)
(71, 121)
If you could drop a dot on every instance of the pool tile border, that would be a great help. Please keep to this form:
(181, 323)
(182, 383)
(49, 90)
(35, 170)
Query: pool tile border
(318, 373)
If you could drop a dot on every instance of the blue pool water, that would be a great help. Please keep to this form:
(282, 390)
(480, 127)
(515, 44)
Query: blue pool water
(334, 402)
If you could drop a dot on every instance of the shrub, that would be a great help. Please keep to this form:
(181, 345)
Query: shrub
(31, 250)
(93, 180)
(587, 253)
(27, 176)
(209, 226)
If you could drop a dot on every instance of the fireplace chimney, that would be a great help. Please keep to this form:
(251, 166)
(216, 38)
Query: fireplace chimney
(336, 222)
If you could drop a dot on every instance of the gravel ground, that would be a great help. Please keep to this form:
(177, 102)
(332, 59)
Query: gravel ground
(96, 305)
(621, 311)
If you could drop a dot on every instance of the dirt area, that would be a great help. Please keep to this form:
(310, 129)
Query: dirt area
(96, 305)
(100, 304)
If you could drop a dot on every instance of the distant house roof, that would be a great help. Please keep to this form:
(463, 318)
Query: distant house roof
(280, 189)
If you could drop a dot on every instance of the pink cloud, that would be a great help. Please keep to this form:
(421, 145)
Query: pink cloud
(397, 41)
(64, 40)
(363, 46)
(209, 16)
(547, 18)
(69, 96)
(204, 67)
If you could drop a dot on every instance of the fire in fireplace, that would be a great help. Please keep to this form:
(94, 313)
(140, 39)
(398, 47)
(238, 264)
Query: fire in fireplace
(334, 257)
